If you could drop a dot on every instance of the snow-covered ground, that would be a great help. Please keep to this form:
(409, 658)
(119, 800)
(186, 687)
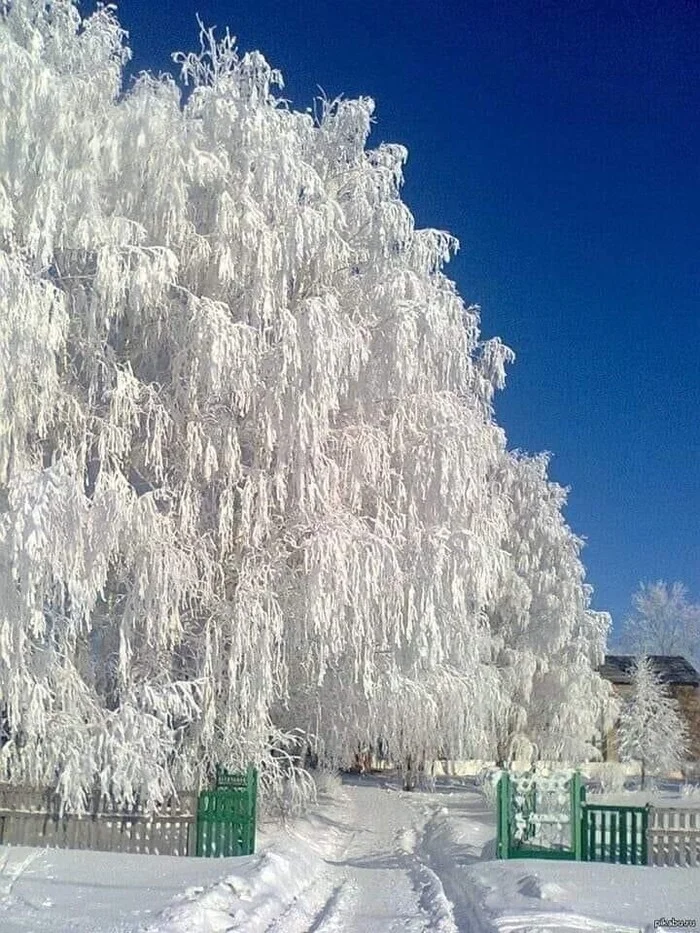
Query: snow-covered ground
(370, 858)
(659, 794)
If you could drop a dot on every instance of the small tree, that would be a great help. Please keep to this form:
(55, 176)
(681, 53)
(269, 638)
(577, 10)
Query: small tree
(651, 728)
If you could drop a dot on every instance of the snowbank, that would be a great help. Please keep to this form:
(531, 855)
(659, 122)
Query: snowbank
(539, 896)
(260, 888)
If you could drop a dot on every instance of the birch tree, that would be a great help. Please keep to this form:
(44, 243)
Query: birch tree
(248, 458)
(664, 621)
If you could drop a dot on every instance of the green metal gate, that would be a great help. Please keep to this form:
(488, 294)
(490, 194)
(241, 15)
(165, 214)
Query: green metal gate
(227, 815)
(615, 834)
(524, 813)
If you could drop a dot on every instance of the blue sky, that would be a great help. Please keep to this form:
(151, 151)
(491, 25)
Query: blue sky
(560, 142)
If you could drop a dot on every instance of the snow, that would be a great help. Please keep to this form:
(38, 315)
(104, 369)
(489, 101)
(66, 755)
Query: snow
(523, 896)
(86, 892)
(369, 857)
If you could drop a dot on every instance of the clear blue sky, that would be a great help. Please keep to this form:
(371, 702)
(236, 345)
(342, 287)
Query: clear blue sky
(559, 140)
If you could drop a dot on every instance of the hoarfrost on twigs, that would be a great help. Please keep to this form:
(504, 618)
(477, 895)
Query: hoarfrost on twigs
(251, 484)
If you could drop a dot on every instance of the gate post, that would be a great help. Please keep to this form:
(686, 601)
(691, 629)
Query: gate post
(252, 776)
(503, 816)
(578, 797)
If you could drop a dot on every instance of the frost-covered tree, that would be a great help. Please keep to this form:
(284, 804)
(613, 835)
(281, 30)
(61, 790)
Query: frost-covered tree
(249, 469)
(651, 728)
(664, 621)
(546, 641)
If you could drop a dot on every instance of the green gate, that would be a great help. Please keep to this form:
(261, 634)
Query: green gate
(615, 834)
(227, 815)
(528, 804)
(540, 817)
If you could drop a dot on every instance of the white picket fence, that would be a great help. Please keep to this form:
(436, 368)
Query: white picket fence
(673, 837)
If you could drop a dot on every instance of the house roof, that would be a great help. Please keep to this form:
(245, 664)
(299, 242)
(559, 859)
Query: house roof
(672, 668)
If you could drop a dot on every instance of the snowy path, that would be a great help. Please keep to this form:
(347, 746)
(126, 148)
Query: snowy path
(378, 883)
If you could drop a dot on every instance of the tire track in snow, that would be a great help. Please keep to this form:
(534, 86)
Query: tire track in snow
(314, 901)
(427, 884)
(433, 848)
(316, 909)
(326, 919)
(433, 899)
(9, 874)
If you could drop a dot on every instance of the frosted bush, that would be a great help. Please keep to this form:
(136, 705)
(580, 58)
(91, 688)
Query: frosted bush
(327, 782)
(487, 783)
(612, 777)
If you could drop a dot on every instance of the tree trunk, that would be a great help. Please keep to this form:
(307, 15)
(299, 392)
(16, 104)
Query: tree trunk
(409, 778)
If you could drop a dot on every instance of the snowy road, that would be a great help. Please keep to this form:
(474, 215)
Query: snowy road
(368, 858)
(379, 882)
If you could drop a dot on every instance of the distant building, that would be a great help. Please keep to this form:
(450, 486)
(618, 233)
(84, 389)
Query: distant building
(683, 683)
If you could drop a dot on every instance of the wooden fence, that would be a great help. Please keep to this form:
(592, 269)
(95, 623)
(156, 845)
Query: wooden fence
(30, 817)
(674, 837)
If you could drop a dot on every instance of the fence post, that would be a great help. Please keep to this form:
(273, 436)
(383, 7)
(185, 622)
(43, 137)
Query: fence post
(622, 859)
(503, 817)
